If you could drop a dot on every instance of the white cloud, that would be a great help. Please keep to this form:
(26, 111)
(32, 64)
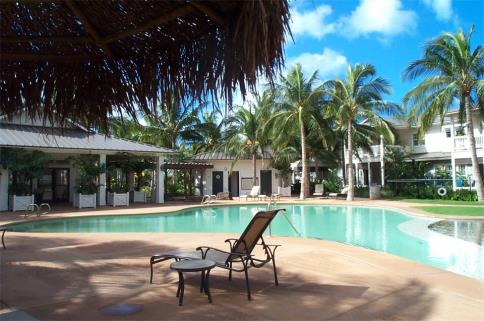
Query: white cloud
(384, 17)
(312, 23)
(329, 64)
(443, 8)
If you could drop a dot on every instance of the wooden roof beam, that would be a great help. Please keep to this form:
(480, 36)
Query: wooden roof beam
(91, 30)
(40, 57)
(177, 13)
(37, 39)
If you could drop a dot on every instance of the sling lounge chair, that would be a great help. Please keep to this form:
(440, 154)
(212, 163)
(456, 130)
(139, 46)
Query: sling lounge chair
(343, 193)
(254, 193)
(239, 258)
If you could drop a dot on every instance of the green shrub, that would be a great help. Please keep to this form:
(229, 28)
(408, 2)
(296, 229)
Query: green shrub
(422, 191)
(332, 183)
(362, 192)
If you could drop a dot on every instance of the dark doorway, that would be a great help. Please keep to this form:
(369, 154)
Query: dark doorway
(266, 182)
(53, 186)
(234, 183)
(217, 182)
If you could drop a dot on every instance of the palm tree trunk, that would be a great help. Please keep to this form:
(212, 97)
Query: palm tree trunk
(305, 173)
(254, 163)
(472, 147)
(351, 174)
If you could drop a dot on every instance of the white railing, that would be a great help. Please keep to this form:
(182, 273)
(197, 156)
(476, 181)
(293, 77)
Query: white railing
(462, 143)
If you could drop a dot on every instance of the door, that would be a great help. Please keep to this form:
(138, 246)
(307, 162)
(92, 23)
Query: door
(217, 182)
(266, 182)
(61, 184)
(234, 183)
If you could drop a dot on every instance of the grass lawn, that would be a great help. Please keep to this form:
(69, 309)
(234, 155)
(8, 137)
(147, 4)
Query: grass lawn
(443, 202)
(454, 210)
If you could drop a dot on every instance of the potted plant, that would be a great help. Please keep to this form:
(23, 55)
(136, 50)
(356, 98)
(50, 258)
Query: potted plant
(86, 184)
(25, 167)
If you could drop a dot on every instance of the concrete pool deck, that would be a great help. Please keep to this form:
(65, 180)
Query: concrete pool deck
(73, 276)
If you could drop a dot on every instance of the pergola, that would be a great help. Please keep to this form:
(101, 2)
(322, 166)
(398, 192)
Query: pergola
(189, 168)
(85, 60)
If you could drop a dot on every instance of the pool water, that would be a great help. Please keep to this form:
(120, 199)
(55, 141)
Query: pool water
(379, 229)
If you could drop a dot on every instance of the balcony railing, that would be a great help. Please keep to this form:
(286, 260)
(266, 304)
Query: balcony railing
(462, 143)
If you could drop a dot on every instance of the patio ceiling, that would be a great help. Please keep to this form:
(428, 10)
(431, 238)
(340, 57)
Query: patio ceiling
(87, 60)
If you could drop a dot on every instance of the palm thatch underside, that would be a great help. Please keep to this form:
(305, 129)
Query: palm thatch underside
(85, 60)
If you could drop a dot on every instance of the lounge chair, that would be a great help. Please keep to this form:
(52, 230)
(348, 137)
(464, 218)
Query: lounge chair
(343, 193)
(239, 257)
(318, 190)
(240, 253)
(254, 193)
(208, 199)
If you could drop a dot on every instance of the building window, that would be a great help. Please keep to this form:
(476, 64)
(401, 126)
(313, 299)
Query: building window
(448, 132)
(418, 141)
(482, 126)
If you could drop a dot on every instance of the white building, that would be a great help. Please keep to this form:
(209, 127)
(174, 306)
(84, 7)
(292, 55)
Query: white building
(62, 145)
(238, 179)
(443, 145)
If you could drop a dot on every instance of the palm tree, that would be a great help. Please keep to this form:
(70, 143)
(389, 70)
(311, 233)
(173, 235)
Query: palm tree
(210, 132)
(173, 123)
(296, 111)
(244, 133)
(453, 72)
(358, 98)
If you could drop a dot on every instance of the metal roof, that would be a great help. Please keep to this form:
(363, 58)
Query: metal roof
(430, 156)
(223, 156)
(27, 136)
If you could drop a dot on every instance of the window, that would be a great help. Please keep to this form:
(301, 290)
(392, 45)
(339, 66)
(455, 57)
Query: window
(482, 126)
(448, 132)
(417, 141)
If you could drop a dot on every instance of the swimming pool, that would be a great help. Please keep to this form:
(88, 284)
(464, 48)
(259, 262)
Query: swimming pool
(379, 229)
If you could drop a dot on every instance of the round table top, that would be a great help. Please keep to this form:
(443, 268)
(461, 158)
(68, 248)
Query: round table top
(192, 265)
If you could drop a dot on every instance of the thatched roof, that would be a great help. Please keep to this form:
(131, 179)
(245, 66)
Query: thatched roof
(85, 59)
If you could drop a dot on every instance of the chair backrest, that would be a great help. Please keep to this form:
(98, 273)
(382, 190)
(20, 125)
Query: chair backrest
(252, 233)
(319, 188)
(255, 190)
(345, 190)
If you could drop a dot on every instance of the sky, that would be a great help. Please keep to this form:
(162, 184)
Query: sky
(389, 34)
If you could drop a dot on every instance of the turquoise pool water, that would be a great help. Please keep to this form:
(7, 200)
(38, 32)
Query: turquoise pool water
(379, 229)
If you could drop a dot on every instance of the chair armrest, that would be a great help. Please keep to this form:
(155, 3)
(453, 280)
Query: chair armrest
(205, 249)
(230, 240)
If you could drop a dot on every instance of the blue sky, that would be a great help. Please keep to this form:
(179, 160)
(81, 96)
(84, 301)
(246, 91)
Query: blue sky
(329, 35)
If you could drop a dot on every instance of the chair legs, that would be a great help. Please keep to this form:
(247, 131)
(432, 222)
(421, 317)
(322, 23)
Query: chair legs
(246, 271)
(275, 271)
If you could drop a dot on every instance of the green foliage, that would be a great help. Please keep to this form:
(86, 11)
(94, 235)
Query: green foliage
(398, 166)
(363, 192)
(423, 191)
(332, 183)
(442, 172)
(25, 165)
(89, 170)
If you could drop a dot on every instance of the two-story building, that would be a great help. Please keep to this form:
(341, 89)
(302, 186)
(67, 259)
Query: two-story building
(442, 145)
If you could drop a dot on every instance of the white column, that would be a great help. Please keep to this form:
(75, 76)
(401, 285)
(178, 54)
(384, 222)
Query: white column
(101, 195)
(3, 189)
(382, 160)
(226, 180)
(159, 181)
(369, 171)
(454, 171)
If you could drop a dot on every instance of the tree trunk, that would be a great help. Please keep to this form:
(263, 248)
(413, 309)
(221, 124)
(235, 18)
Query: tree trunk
(173, 146)
(351, 171)
(305, 173)
(472, 146)
(254, 162)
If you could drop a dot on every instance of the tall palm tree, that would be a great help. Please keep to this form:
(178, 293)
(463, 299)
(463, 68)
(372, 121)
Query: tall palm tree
(173, 123)
(297, 106)
(358, 98)
(210, 132)
(453, 71)
(244, 132)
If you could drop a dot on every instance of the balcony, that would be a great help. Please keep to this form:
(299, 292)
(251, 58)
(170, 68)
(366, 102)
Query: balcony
(461, 143)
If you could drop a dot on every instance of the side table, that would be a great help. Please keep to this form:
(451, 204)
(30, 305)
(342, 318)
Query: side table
(203, 266)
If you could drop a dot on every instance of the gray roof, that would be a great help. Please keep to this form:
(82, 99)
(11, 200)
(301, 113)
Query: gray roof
(223, 156)
(430, 156)
(27, 136)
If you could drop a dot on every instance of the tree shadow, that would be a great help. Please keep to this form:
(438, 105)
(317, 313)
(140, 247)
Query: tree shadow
(73, 277)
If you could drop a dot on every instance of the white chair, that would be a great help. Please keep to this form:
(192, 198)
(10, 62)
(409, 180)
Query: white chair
(318, 190)
(208, 199)
(343, 193)
(254, 193)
